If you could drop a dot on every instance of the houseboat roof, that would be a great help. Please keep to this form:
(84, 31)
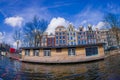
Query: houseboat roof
(67, 46)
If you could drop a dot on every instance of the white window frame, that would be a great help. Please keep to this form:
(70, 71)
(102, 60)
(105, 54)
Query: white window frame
(72, 50)
(47, 52)
(36, 53)
(27, 52)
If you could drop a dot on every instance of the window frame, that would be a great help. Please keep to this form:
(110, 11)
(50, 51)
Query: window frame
(94, 52)
(48, 54)
(34, 52)
(28, 52)
(72, 53)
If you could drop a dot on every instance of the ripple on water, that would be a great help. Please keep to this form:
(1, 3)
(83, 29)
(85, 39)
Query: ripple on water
(108, 69)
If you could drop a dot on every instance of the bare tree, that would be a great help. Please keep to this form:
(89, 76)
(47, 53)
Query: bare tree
(113, 22)
(33, 31)
(17, 37)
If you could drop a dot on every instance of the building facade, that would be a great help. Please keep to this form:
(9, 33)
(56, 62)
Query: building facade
(112, 41)
(91, 35)
(44, 39)
(60, 36)
(51, 40)
(71, 35)
(81, 36)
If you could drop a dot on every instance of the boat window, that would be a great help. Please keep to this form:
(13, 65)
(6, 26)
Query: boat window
(47, 53)
(36, 53)
(90, 51)
(71, 51)
(27, 52)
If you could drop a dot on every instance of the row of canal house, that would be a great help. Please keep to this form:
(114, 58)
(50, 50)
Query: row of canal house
(69, 36)
(66, 45)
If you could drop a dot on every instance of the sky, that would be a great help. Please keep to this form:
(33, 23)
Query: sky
(14, 13)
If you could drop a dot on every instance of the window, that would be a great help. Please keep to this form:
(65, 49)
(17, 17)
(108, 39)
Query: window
(91, 51)
(36, 53)
(94, 41)
(89, 41)
(71, 51)
(69, 29)
(84, 41)
(59, 50)
(56, 33)
(44, 40)
(49, 41)
(56, 37)
(74, 34)
(80, 33)
(27, 52)
(60, 33)
(60, 41)
(60, 37)
(53, 42)
(71, 43)
(64, 42)
(47, 53)
(83, 33)
(79, 42)
(63, 37)
(81, 36)
(56, 41)
(63, 33)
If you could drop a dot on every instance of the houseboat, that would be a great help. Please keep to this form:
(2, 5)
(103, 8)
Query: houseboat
(63, 54)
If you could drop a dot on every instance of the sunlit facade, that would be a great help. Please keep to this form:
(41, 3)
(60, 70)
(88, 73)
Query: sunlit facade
(71, 35)
(60, 36)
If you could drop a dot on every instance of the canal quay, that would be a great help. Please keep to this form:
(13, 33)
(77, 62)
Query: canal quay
(107, 69)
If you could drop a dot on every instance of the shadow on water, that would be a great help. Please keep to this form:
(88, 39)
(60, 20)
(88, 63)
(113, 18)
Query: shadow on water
(108, 69)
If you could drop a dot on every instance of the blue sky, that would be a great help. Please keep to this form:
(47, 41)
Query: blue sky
(78, 12)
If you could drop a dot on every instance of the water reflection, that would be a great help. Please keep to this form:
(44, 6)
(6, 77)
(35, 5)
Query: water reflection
(108, 69)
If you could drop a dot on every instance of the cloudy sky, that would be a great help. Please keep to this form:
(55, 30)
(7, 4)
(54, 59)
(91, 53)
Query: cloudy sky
(14, 13)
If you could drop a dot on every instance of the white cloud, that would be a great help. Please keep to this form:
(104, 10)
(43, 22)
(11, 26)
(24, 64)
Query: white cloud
(56, 22)
(2, 36)
(8, 38)
(88, 16)
(14, 21)
(100, 25)
(84, 22)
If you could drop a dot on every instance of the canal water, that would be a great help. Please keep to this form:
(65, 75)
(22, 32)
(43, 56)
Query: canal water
(108, 69)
